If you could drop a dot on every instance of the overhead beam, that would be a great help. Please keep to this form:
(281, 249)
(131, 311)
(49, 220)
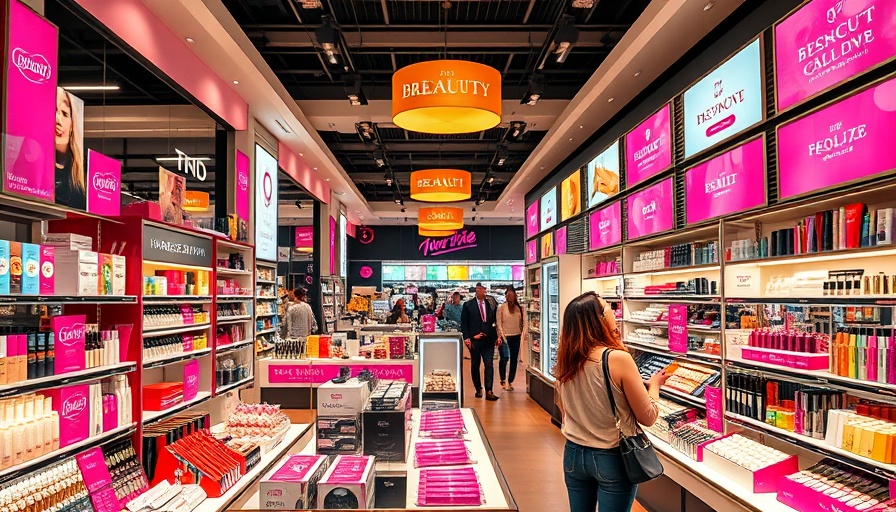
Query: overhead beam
(446, 146)
(398, 39)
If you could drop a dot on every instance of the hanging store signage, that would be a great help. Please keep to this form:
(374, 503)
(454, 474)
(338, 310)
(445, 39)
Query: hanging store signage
(548, 204)
(304, 237)
(195, 167)
(433, 233)
(827, 42)
(265, 205)
(648, 148)
(725, 102)
(196, 201)
(241, 188)
(103, 184)
(560, 241)
(160, 244)
(332, 246)
(605, 227)
(446, 97)
(844, 142)
(441, 218)
(532, 220)
(459, 241)
(30, 104)
(651, 210)
(441, 185)
(603, 176)
(731, 182)
(531, 251)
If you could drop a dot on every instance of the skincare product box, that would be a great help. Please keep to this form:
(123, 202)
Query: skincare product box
(348, 484)
(104, 274)
(293, 484)
(68, 241)
(118, 274)
(344, 400)
(70, 336)
(4, 267)
(72, 404)
(15, 268)
(30, 269)
(78, 273)
(47, 270)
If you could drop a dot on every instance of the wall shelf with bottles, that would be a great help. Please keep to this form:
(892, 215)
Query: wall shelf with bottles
(268, 306)
(533, 310)
(333, 293)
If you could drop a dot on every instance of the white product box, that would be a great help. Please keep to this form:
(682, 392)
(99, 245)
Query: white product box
(293, 484)
(348, 484)
(118, 274)
(77, 273)
(342, 400)
(68, 241)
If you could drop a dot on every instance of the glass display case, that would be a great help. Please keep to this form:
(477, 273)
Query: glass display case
(550, 317)
(533, 309)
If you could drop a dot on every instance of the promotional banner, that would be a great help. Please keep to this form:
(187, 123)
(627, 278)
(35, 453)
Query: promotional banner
(172, 188)
(332, 246)
(304, 237)
(648, 148)
(191, 380)
(714, 411)
(846, 141)
(605, 227)
(826, 42)
(731, 182)
(241, 189)
(532, 220)
(678, 328)
(603, 176)
(30, 103)
(532, 251)
(549, 209)
(571, 196)
(560, 241)
(298, 373)
(265, 205)
(71, 183)
(725, 102)
(103, 184)
(161, 244)
(547, 245)
(651, 210)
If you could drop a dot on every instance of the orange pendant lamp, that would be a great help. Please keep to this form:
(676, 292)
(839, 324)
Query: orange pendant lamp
(434, 233)
(440, 218)
(446, 97)
(441, 185)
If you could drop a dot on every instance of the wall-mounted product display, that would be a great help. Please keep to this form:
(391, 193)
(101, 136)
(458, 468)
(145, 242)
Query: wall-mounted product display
(548, 209)
(603, 176)
(533, 310)
(333, 290)
(648, 147)
(571, 196)
(533, 225)
(605, 227)
(650, 211)
(729, 183)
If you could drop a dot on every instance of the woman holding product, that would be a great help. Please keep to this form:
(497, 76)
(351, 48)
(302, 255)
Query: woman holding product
(594, 472)
(512, 330)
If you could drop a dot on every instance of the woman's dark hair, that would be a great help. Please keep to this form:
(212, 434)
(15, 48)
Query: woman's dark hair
(300, 293)
(514, 305)
(584, 328)
(395, 314)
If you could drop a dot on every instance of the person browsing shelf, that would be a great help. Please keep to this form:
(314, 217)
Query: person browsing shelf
(478, 326)
(300, 321)
(512, 330)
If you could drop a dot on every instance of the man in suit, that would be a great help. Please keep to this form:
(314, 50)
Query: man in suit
(479, 328)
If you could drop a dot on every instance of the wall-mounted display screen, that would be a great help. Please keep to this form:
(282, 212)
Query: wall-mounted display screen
(731, 182)
(603, 176)
(436, 273)
(532, 227)
(458, 273)
(651, 210)
(532, 251)
(547, 245)
(560, 241)
(501, 273)
(548, 204)
(648, 148)
(479, 273)
(265, 205)
(415, 272)
(392, 273)
(827, 42)
(571, 196)
(605, 227)
(725, 102)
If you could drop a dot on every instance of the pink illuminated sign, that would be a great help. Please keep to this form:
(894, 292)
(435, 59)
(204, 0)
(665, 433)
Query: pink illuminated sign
(826, 42)
(560, 241)
(605, 227)
(332, 246)
(531, 251)
(29, 137)
(304, 236)
(318, 374)
(731, 182)
(532, 220)
(459, 241)
(648, 148)
(242, 187)
(844, 142)
(103, 184)
(714, 412)
(651, 210)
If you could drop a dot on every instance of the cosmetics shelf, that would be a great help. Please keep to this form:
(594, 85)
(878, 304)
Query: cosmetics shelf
(710, 267)
(831, 300)
(714, 488)
(684, 397)
(295, 433)
(266, 331)
(233, 298)
(165, 331)
(233, 319)
(684, 299)
(174, 302)
(262, 297)
(223, 349)
(175, 358)
(265, 281)
(52, 300)
(165, 264)
(155, 416)
(610, 277)
(234, 385)
(665, 325)
(177, 299)
(815, 445)
(233, 245)
(812, 257)
(27, 468)
(65, 379)
(232, 272)
(264, 315)
(664, 351)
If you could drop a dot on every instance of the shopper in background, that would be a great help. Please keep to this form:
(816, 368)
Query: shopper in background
(477, 323)
(453, 308)
(512, 329)
(300, 321)
(398, 315)
(594, 472)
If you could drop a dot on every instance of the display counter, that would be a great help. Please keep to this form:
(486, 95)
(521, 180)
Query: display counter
(496, 493)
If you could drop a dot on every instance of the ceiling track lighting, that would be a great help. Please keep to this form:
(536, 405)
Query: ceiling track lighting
(515, 131)
(379, 157)
(327, 37)
(354, 92)
(367, 131)
(501, 155)
(535, 90)
(388, 179)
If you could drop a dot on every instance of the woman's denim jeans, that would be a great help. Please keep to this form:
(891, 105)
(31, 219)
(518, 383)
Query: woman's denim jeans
(596, 478)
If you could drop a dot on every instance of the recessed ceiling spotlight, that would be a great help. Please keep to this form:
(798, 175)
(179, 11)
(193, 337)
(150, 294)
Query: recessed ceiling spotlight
(328, 179)
(315, 168)
(236, 82)
(570, 139)
(610, 100)
(191, 40)
(709, 6)
(581, 126)
(301, 154)
(637, 73)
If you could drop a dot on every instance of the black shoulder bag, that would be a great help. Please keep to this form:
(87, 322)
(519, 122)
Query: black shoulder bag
(638, 455)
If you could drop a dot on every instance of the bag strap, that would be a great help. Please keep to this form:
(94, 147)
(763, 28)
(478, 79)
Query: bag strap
(605, 361)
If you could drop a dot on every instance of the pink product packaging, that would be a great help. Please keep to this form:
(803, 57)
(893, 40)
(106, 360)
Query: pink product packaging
(70, 334)
(447, 487)
(93, 468)
(348, 482)
(72, 403)
(800, 497)
(798, 360)
(763, 480)
(293, 485)
(47, 270)
(441, 453)
(105, 500)
(110, 413)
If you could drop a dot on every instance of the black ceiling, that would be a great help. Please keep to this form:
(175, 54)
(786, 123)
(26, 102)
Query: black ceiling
(377, 37)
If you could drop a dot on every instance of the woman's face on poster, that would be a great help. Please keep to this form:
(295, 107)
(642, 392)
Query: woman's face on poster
(63, 121)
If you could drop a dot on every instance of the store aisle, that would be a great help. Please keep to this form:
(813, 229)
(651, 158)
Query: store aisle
(528, 447)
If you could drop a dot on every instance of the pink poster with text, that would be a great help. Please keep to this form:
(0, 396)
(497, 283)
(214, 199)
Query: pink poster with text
(648, 148)
(103, 184)
(605, 227)
(651, 210)
(242, 186)
(304, 236)
(714, 411)
(826, 42)
(531, 251)
(532, 220)
(72, 404)
(560, 241)
(29, 137)
(191, 380)
(93, 468)
(678, 328)
(332, 246)
(70, 334)
(731, 182)
(846, 141)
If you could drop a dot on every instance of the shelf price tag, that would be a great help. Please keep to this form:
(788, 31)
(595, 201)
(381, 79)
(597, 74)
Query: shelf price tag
(678, 328)
(714, 412)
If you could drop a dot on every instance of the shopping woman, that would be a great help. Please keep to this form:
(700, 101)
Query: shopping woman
(71, 189)
(512, 330)
(594, 472)
(399, 314)
(300, 321)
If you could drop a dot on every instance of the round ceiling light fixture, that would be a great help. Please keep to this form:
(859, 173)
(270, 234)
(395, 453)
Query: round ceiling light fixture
(446, 97)
(441, 185)
(440, 218)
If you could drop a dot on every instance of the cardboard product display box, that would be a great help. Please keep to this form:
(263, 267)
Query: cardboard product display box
(346, 399)
(339, 436)
(293, 484)
(348, 484)
(387, 433)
